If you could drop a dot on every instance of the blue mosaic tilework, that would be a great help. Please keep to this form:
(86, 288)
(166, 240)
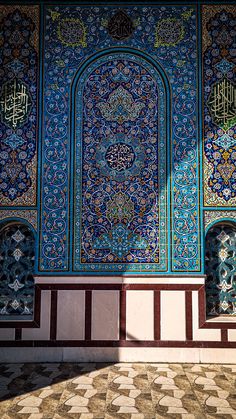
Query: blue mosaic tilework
(18, 104)
(219, 105)
(120, 186)
(73, 34)
(220, 270)
(17, 255)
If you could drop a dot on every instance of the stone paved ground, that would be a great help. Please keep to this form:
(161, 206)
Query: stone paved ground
(121, 390)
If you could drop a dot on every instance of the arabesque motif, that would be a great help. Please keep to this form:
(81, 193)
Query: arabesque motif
(121, 165)
(29, 215)
(179, 64)
(18, 105)
(17, 250)
(212, 216)
(120, 106)
(72, 32)
(219, 107)
(169, 32)
(220, 269)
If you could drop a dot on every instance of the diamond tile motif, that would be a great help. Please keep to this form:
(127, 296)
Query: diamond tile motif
(224, 66)
(16, 66)
(17, 254)
(225, 141)
(14, 141)
(18, 236)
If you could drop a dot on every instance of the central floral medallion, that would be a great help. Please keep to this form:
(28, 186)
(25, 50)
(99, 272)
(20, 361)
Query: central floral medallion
(120, 156)
(120, 106)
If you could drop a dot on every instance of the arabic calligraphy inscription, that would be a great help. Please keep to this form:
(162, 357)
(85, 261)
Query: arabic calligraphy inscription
(15, 103)
(222, 103)
(120, 156)
(120, 26)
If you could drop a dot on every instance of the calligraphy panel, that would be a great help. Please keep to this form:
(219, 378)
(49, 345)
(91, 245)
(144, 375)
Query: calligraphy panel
(120, 187)
(18, 104)
(219, 26)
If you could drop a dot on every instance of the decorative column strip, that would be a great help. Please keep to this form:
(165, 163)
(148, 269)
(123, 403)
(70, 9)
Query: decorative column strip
(53, 317)
(88, 314)
(202, 305)
(18, 334)
(122, 315)
(224, 335)
(157, 315)
(189, 315)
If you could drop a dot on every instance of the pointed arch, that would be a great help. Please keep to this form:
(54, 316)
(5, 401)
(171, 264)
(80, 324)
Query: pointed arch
(17, 259)
(220, 268)
(133, 122)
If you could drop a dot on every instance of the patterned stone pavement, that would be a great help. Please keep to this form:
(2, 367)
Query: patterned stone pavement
(123, 390)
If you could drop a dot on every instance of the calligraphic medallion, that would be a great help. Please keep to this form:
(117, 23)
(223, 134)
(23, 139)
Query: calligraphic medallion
(15, 103)
(222, 103)
(120, 26)
(169, 32)
(72, 32)
(120, 156)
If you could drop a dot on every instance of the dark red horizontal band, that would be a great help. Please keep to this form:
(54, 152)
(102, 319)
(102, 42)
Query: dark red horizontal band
(122, 287)
(119, 343)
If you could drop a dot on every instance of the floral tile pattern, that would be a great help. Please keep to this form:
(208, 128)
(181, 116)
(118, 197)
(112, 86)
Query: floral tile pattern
(124, 390)
(136, 59)
(18, 105)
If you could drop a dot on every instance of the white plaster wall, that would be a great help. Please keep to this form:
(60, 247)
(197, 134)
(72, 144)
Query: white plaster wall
(7, 334)
(140, 315)
(70, 314)
(105, 315)
(173, 315)
(202, 334)
(42, 333)
(232, 335)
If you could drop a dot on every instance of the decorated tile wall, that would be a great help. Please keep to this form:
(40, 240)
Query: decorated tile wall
(219, 65)
(18, 104)
(120, 139)
(120, 167)
(30, 216)
(212, 217)
(119, 190)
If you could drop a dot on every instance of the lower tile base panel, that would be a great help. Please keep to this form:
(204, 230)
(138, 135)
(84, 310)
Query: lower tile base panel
(186, 355)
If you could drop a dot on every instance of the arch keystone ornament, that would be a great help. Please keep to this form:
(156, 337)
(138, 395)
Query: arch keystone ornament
(120, 26)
